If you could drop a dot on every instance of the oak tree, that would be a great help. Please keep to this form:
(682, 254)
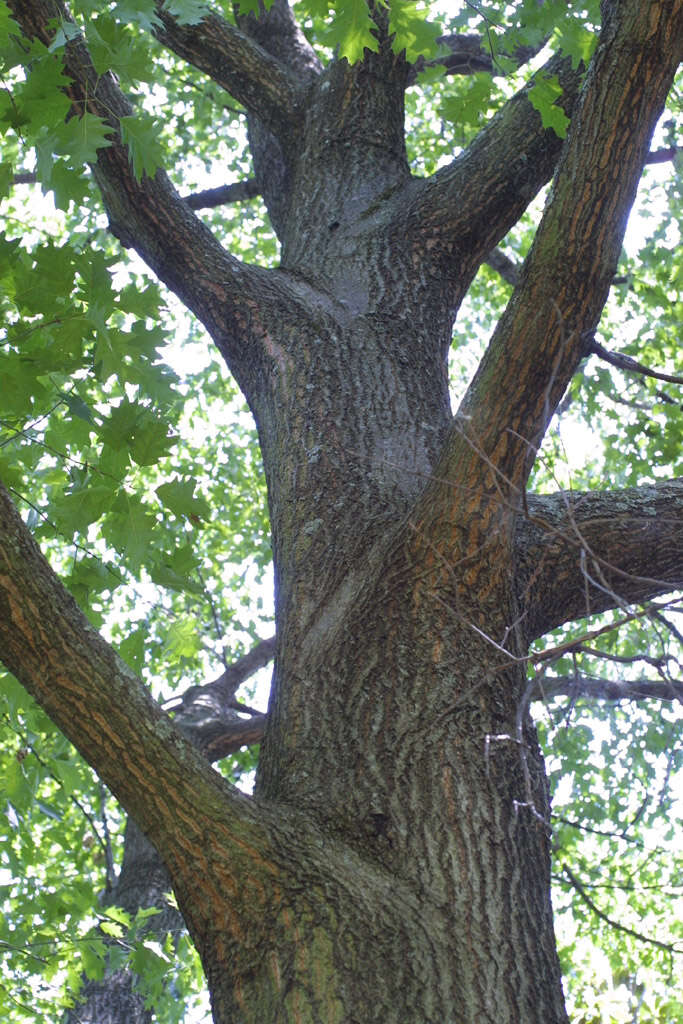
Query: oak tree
(394, 860)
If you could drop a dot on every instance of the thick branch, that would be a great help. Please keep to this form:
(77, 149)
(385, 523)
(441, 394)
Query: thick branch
(503, 265)
(143, 881)
(149, 215)
(209, 714)
(542, 335)
(578, 554)
(235, 674)
(238, 64)
(101, 706)
(510, 160)
(278, 32)
(510, 271)
(464, 55)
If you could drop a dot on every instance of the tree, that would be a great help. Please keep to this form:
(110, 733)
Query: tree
(394, 861)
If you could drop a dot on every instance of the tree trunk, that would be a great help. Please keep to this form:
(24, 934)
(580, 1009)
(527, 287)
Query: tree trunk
(394, 863)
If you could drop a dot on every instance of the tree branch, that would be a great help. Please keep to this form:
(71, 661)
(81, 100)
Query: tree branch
(212, 197)
(662, 156)
(510, 271)
(583, 553)
(25, 178)
(103, 708)
(541, 337)
(510, 159)
(543, 334)
(236, 62)
(598, 688)
(468, 53)
(209, 714)
(623, 362)
(228, 296)
(503, 265)
(143, 881)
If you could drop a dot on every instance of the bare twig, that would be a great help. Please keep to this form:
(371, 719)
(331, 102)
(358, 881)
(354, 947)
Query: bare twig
(581, 826)
(623, 362)
(577, 885)
(599, 688)
(220, 632)
(109, 853)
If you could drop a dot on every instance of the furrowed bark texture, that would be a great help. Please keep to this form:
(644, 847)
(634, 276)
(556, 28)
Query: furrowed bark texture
(206, 717)
(394, 864)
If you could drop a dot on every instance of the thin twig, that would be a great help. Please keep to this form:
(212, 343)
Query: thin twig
(623, 362)
(576, 884)
(581, 827)
(109, 853)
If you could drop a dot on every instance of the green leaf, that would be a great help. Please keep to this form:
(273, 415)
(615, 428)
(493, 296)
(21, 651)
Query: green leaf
(132, 648)
(412, 32)
(93, 954)
(575, 40)
(111, 928)
(186, 12)
(15, 786)
(80, 138)
(69, 775)
(178, 496)
(118, 914)
(542, 96)
(140, 12)
(75, 511)
(137, 429)
(141, 135)
(352, 30)
(167, 576)
(130, 527)
(77, 407)
(184, 639)
(40, 100)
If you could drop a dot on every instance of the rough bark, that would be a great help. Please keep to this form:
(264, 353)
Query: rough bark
(208, 716)
(582, 553)
(394, 863)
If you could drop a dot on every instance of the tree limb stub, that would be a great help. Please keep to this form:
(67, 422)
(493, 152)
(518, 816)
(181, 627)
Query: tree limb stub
(237, 192)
